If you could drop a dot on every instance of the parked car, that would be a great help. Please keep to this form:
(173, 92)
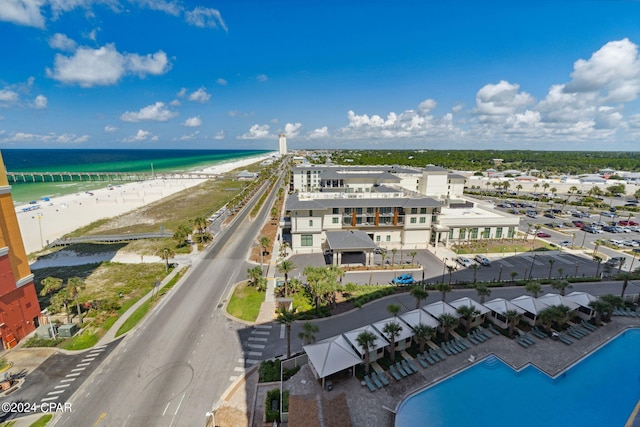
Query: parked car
(627, 222)
(631, 243)
(464, 261)
(608, 214)
(405, 279)
(592, 230)
(614, 262)
(483, 260)
(543, 234)
(532, 214)
(379, 250)
(565, 243)
(550, 215)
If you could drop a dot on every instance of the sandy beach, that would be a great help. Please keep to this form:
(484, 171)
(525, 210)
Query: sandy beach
(62, 215)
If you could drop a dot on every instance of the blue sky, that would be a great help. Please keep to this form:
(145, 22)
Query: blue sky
(417, 75)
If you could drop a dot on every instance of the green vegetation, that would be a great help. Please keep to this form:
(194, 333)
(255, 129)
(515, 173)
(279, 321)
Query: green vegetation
(4, 363)
(35, 341)
(42, 421)
(272, 405)
(9, 424)
(269, 371)
(81, 341)
(245, 302)
(135, 317)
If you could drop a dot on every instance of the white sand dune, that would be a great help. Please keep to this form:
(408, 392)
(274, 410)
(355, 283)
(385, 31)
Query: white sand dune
(62, 215)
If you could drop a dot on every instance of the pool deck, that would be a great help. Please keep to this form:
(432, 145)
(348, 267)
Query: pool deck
(376, 409)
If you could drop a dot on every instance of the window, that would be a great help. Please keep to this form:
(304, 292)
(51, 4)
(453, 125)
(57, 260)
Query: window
(359, 211)
(370, 210)
(474, 233)
(511, 232)
(498, 232)
(434, 218)
(377, 239)
(335, 220)
(310, 223)
(462, 233)
(414, 211)
(486, 233)
(310, 212)
(423, 210)
(336, 211)
(423, 220)
(306, 240)
(412, 220)
(388, 237)
(451, 234)
(347, 211)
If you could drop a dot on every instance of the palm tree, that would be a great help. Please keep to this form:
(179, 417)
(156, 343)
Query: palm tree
(315, 279)
(62, 299)
(287, 317)
(512, 317)
(519, 187)
(548, 317)
(598, 260)
(613, 301)
(49, 285)
(551, 262)
(561, 285)
(285, 267)
(181, 234)
(308, 331)
(483, 291)
(444, 288)
(450, 270)
(625, 277)
(166, 254)
(475, 268)
(545, 186)
(383, 255)
(394, 251)
(392, 330)
(534, 288)
(421, 334)
(553, 191)
(75, 285)
(264, 244)
(200, 223)
(447, 321)
(394, 309)
(600, 307)
(536, 186)
(467, 312)
(413, 254)
(419, 294)
(254, 274)
(513, 275)
(366, 340)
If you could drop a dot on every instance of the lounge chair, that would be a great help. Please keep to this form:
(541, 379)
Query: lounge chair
(428, 358)
(582, 329)
(421, 361)
(394, 373)
(440, 353)
(412, 365)
(402, 371)
(538, 334)
(589, 326)
(484, 332)
(522, 343)
(454, 344)
(574, 334)
(564, 339)
(463, 343)
(631, 313)
(375, 379)
(526, 338)
(382, 378)
(451, 348)
(473, 340)
(579, 331)
(446, 349)
(367, 380)
(434, 355)
(492, 329)
(478, 336)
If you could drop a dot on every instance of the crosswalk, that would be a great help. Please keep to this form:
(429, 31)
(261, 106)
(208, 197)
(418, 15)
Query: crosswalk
(255, 346)
(73, 375)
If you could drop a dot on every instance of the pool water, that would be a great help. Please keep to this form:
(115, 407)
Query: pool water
(601, 390)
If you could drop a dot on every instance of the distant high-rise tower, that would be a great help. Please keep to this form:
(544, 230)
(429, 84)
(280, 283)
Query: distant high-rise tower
(282, 144)
(19, 307)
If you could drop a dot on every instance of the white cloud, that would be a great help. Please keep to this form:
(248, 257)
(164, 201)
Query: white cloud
(222, 82)
(22, 12)
(182, 93)
(110, 129)
(205, 17)
(237, 113)
(51, 137)
(8, 96)
(426, 106)
(292, 129)
(192, 122)
(169, 7)
(157, 112)
(62, 42)
(219, 135)
(257, 132)
(200, 95)
(104, 66)
(457, 108)
(40, 102)
(262, 78)
(320, 133)
(188, 137)
(495, 100)
(175, 103)
(141, 135)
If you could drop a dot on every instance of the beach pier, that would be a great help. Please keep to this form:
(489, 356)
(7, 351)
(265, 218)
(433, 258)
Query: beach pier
(31, 177)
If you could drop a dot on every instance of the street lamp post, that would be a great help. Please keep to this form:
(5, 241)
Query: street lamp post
(444, 268)
(533, 260)
(166, 260)
(45, 312)
(40, 229)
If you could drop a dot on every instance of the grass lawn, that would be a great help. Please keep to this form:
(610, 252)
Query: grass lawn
(82, 341)
(245, 302)
(135, 317)
(506, 247)
(42, 421)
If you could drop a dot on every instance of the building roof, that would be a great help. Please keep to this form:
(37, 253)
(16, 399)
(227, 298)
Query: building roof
(470, 303)
(581, 298)
(352, 240)
(555, 299)
(432, 168)
(413, 317)
(439, 308)
(501, 305)
(294, 202)
(530, 304)
(405, 333)
(352, 337)
(331, 355)
(388, 168)
(456, 176)
(372, 175)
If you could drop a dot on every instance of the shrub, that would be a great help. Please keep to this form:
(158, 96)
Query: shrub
(269, 371)
(36, 341)
(288, 373)
(270, 413)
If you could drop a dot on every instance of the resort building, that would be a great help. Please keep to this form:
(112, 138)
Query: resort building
(19, 307)
(282, 144)
(354, 210)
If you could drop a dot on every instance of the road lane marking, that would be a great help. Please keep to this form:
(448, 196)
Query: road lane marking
(75, 374)
(253, 353)
(177, 409)
(165, 408)
(46, 399)
(78, 369)
(233, 378)
(258, 339)
(52, 393)
(260, 346)
(67, 380)
(91, 359)
(83, 364)
(62, 386)
(282, 330)
(238, 369)
(100, 418)
(267, 333)
(263, 326)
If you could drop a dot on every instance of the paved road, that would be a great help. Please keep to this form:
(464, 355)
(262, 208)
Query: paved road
(175, 366)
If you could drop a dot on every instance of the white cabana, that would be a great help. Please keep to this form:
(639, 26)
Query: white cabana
(378, 347)
(403, 340)
(499, 307)
(583, 299)
(531, 306)
(332, 355)
(414, 317)
(468, 302)
(556, 299)
(439, 308)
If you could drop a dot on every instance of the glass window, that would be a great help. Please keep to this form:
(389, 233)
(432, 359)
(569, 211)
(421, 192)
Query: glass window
(462, 233)
(423, 220)
(378, 238)
(310, 223)
(511, 232)
(451, 233)
(358, 211)
(412, 220)
(434, 218)
(347, 211)
(336, 211)
(310, 212)
(486, 233)
(388, 237)
(423, 210)
(498, 232)
(306, 240)
(414, 211)
(335, 220)
(370, 210)
(474, 233)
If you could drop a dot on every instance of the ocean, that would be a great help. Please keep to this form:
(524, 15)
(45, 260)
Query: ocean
(86, 160)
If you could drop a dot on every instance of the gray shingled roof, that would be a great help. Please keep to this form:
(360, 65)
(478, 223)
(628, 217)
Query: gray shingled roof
(352, 240)
(294, 203)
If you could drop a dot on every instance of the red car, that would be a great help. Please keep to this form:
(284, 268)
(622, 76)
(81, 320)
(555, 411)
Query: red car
(541, 234)
(629, 222)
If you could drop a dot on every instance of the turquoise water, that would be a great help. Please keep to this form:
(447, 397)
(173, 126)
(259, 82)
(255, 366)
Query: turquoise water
(601, 390)
(104, 161)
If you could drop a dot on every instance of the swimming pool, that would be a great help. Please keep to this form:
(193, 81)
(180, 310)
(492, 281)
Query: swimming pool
(601, 390)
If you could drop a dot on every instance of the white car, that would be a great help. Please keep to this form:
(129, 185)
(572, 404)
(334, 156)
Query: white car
(464, 261)
(631, 243)
(483, 260)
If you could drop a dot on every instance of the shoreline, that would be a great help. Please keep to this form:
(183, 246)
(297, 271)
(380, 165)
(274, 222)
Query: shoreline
(62, 215)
